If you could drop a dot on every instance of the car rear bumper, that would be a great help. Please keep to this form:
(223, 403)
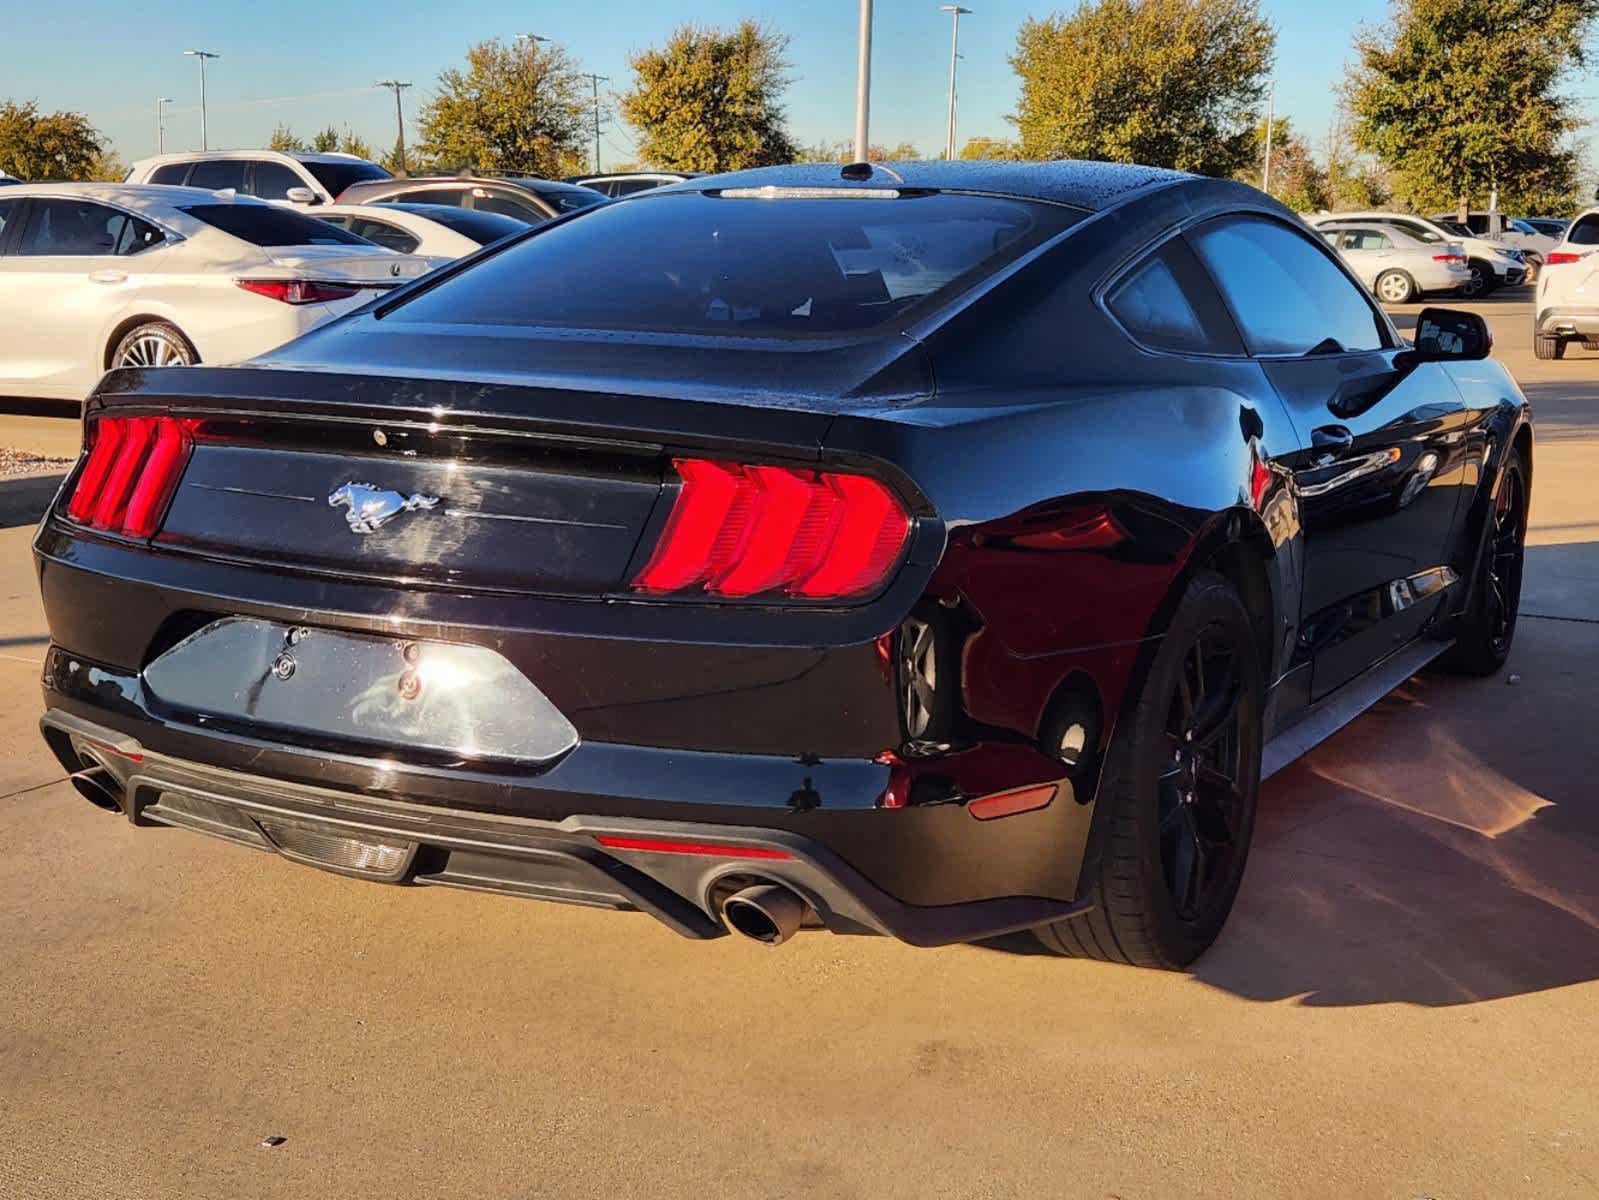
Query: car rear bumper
(1569, 321)
(675, 870)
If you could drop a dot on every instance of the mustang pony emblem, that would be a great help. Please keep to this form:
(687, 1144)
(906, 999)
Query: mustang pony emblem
(370, 506)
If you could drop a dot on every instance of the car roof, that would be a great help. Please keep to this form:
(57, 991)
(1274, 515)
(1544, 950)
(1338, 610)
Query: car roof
(137, 196)
(305, 156)
(1086, 185)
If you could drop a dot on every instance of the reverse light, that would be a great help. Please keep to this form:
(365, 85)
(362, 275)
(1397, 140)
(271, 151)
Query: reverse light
(297, 291)
(1559, 258)
(132, 472)
(737, 530)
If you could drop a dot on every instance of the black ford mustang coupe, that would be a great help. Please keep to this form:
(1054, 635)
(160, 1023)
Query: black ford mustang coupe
(937, 551)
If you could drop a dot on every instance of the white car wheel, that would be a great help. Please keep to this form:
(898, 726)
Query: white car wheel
(154, 345)
(1395, 287)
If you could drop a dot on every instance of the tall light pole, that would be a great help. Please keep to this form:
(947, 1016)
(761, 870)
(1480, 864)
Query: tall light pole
(161, 103)
(596, 80)
(955, 11)
(202, 55)
(399, 117)
(863, 85)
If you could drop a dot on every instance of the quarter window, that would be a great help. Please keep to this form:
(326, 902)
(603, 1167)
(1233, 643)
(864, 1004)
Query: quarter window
(1167, 303)
(1288, 296)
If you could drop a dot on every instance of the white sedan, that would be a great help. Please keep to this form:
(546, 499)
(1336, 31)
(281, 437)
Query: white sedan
(1399, 265)
(118, 275)
(440, 232)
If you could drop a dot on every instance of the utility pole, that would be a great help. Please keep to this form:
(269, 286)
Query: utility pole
(863, 85)
(595, 81)
(1271, 104)
(396, 86)
(202, 55)
(161, 103)
(955, 11)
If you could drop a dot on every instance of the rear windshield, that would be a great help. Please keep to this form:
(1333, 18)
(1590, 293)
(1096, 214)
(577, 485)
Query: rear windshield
(481, 227)
(1585, 232)
(336, 176)
(269, 225)
(759, 267)
(567, 197)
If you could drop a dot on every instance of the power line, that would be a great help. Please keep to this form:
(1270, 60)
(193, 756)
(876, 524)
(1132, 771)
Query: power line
(594, 82)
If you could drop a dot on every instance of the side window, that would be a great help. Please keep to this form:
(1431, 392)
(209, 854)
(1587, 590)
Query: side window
(217, 174)
(1167, 303)
(8, 211)
(1288, 296)
(70, 228)
(629, 187)
(507, 205)
(1331, 237)
(391, 237)
(130, 235)
(170, 172)
(455, 196)
(273, 180)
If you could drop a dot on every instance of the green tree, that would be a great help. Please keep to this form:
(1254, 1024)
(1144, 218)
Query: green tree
(35, 145)
(988, 147)
(283, 138)
(325, 140)
(519, 107)
(712, 101)
(1297, 179)
(1457, 97)
(1168, 83)
(107, 167)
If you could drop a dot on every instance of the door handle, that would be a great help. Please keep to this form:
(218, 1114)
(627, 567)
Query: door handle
(1331, 439)
(108, 277)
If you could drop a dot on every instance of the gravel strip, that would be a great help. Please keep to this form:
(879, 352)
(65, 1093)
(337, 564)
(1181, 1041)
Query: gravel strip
(21, 462)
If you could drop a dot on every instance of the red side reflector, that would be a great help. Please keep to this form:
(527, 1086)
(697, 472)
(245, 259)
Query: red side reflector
(671, 846)
(1007, 804)
(737, 531)
(133, 469)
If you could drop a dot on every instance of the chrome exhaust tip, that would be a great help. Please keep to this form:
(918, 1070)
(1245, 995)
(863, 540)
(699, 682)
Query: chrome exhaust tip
(99, 787)
(767, 913)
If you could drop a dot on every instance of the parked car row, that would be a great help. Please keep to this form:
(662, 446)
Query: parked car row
(1489, 264)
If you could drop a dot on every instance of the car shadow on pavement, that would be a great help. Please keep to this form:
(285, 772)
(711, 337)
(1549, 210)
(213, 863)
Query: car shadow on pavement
(23, 498)
(1443, 849)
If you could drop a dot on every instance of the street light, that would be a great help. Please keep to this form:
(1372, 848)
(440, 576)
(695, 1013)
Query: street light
(161, 103)
(399, 117)
(863, 84)
(202, 55)
(531, 37)
(955, 11)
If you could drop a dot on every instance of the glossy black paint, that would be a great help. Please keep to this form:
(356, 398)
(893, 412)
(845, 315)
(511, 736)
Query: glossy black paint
(1344, 495)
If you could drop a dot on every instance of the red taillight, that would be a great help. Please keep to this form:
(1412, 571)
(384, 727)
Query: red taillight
(133, 469)
(650, 845)
(738, 531)
(1450, 258)
(297, 291)
(1560, 258)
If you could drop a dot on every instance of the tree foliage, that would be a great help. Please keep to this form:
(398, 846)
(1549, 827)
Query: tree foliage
(285, 140)
(711, 101)
(844, 152)
(35, 145)
(1168, 83)
(521, 107)
(989, 147)
(1456, 97)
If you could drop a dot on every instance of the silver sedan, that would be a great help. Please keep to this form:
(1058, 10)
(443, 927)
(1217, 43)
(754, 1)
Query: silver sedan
(1400, 266)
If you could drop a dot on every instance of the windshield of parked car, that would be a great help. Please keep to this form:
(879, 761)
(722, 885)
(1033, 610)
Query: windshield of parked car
(269, 225)
(336, 176)
(771, 267)
(482, 227)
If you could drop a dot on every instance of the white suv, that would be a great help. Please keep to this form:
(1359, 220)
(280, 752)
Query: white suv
(1567, 307)
(1492, 264)
(295, 180)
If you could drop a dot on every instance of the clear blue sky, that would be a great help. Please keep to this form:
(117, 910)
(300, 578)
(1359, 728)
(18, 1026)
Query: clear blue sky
(309, 65)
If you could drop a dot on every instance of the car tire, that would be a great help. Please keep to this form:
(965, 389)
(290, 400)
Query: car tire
(1488, 626)
(1180, 807)
(154, 344)
(1545, 345)
(1395, 287)
(1482, 280)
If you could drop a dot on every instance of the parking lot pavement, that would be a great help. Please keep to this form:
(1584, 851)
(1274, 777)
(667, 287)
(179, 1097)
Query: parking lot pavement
(1403, 1005)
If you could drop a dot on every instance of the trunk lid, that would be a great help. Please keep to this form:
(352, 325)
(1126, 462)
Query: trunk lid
(338, 264)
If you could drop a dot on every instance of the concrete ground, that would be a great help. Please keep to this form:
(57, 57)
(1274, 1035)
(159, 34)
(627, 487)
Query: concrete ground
(1404, 1004)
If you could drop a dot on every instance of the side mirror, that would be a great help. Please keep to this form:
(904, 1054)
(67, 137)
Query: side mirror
(302, 195)
(1448, 335)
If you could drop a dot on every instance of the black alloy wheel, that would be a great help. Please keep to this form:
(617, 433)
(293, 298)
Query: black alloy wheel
(1179, 790)
(1487, 628)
